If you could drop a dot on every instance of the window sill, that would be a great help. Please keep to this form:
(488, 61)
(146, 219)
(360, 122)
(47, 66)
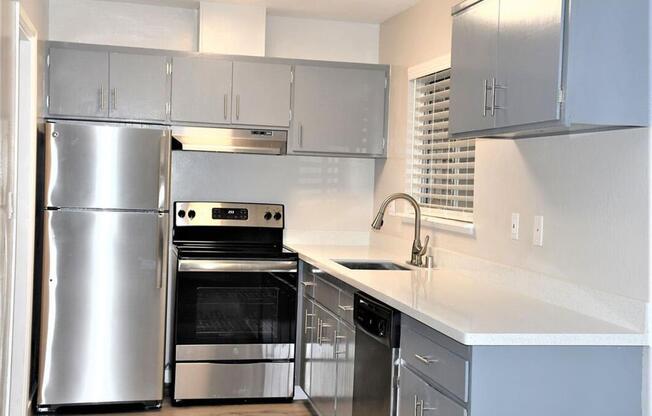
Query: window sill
(455, 226)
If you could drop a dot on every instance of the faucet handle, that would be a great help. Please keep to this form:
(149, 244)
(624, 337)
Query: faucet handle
(425, 246)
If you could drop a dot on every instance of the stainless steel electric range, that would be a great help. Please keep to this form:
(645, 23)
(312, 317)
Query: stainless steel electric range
(236, 298)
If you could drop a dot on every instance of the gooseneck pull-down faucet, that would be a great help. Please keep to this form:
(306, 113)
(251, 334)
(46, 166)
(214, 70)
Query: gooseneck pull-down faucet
(418, 250)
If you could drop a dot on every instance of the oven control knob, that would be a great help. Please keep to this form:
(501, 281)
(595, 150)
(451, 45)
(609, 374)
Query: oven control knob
(191, 214)
(277, 216)
(181, 213)
(268, 215)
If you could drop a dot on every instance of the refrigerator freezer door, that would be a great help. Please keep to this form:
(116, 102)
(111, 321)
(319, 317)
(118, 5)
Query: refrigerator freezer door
(103, 307)
(106, 166)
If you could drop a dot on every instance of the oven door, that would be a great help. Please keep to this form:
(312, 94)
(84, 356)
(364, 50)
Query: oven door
(236, 309)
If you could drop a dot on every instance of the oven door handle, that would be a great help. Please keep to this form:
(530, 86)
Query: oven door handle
(238, 266)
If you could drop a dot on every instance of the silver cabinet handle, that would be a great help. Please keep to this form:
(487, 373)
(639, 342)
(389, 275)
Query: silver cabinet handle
(237, 107)
(484, 98)
(317, 271)
(425, 360)
(114, 98)
(318, 329)
(226, 104)
(306, 284)
(494, 87)
(305, 322)
(417, 404)
(101, 97)
(337, 338)
(345, 308)
(321, 337)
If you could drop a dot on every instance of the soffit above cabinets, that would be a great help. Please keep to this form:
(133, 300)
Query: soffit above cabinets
(363, 11)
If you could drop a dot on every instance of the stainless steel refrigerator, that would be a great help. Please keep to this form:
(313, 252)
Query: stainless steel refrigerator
(105, 241)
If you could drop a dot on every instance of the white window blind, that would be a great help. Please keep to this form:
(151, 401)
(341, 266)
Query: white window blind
(442, 169)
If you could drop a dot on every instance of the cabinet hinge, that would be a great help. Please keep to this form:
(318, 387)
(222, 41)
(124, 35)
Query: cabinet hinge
(562, 97)
(47, 61)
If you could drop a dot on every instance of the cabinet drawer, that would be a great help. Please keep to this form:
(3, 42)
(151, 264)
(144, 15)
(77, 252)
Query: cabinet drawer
(436, 362)
(416, 397)
(345, 306)
(327, 294)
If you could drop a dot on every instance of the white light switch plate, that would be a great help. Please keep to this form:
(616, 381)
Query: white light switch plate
(515, 225)
(537, 238)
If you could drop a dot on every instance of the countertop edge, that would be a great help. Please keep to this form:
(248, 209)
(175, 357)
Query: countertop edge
(625, 339)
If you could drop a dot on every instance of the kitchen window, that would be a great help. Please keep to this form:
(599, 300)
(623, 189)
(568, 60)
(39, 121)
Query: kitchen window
(440, 170)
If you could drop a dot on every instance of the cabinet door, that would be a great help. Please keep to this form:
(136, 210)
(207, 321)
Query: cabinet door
(139, 86)
(416, 397)
(530, 43)
(261, 94)
(473, 63)
(338, 110)
(201, 90)
(79, 83)
(307, 340)
(345, 353)
(324, 367)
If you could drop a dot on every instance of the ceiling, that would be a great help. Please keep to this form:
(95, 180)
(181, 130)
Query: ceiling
(367, 11)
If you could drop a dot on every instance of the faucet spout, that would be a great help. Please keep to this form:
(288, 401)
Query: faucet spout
(418, 249)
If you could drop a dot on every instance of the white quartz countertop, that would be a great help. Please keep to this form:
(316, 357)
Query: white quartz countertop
(467, 309)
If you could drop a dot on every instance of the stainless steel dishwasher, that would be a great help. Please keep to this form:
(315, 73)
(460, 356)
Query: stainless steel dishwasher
(376, 358)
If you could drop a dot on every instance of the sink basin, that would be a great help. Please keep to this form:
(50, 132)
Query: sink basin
(369, 265)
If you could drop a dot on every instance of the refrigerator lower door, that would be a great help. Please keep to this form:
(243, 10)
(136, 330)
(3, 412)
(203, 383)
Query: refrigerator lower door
(107, 166)
(103, 307)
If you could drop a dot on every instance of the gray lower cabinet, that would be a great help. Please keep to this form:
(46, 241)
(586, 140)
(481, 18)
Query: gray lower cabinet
(522, 69)
(327, 343)
(339, 110)
(323, 377)
(201, 90)
(138, 87)
(261, 94)
(78, 83)
(439, 376)
(307, 336)
(344, 357)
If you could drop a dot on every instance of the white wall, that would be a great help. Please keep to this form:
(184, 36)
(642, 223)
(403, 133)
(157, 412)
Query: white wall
(232, 28)
(291, 37)
(123, 24)
(326, 199)
(38, 12)
(592, 189)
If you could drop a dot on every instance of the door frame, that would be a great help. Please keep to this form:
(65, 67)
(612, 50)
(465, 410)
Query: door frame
(25, 207)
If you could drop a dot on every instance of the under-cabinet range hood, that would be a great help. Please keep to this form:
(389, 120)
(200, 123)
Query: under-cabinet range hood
(205, 139)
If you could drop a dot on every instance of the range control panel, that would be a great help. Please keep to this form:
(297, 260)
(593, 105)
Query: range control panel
(228, 214)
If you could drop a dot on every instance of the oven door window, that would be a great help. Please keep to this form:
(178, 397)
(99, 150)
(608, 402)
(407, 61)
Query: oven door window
(236, 308)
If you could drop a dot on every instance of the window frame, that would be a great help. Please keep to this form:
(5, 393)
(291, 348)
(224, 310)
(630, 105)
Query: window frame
(440, 218)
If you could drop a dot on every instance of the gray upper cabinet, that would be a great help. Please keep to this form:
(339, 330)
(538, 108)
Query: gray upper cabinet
(475, 49)
(138, 86)
(78, 82)
(523, 69)
(532, 68)
(201, 90)
(261, 94)
(339, 110)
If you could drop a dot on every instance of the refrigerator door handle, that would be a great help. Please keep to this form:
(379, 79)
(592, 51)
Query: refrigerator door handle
(162, 269)
(164, 171)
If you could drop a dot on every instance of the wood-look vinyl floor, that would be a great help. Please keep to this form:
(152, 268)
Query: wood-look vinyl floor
(297, 408)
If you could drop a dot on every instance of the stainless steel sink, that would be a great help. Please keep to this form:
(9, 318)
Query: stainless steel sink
(369, 265)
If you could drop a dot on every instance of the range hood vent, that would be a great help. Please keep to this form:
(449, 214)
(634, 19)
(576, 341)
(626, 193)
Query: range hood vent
(205, 139)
